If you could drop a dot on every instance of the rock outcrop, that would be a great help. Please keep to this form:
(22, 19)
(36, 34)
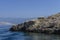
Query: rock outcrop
(49, 25)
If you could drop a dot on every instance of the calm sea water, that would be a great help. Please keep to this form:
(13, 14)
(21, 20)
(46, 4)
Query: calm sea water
(5, 34)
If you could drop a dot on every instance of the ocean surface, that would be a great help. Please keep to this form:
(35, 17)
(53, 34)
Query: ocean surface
(5, 34)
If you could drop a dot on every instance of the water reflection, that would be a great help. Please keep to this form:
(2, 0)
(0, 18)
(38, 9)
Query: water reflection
(28, 36)
(39, 36)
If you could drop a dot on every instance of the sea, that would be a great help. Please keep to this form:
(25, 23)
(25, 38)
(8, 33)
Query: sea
(5, 34)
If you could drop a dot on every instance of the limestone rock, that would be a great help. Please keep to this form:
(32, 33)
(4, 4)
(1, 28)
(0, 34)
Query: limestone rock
(50, 25)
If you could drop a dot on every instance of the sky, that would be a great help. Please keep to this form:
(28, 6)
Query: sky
(28, 8)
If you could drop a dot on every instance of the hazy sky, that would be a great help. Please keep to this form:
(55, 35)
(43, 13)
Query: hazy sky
(28, 8)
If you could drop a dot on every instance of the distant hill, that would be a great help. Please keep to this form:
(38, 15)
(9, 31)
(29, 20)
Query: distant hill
(14, 20)
(6, 23)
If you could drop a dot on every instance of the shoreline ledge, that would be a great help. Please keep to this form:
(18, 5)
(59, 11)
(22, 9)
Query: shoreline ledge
(49, 25)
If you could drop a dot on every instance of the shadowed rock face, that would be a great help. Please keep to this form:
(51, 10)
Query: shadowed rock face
(22, 26)
(50, 25)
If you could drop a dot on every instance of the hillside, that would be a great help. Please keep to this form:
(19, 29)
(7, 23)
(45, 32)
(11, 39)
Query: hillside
(50, 25)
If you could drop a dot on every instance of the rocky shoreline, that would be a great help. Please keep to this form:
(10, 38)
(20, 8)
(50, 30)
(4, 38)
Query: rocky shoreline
(49, 25)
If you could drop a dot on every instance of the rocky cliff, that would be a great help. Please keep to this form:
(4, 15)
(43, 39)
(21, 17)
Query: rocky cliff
(50, 25)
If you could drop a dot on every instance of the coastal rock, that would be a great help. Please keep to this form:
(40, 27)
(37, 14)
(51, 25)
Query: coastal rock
(49, 25)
